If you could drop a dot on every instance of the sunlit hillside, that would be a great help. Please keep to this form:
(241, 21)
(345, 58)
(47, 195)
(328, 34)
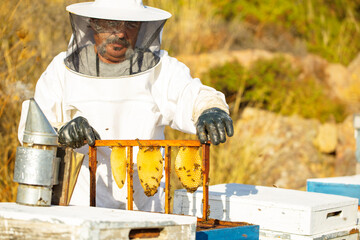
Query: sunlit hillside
(33, 32)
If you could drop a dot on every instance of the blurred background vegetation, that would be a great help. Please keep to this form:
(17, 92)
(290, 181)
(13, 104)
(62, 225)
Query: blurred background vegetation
(32, 33)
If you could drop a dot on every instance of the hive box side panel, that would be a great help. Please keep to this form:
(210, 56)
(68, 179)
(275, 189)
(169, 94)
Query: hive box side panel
(327, 219)
(229, 210)
(274, 218)
(183, 232)
(21, 229)
(182, 205)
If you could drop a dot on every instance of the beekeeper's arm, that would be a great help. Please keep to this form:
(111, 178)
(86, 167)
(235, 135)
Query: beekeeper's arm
(190, 106)
(49, 96)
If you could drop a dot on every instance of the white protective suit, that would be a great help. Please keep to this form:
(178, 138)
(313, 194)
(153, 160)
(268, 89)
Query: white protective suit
(136, 106)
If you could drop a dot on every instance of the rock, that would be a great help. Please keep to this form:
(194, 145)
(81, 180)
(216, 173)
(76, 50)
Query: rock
(345, 151)
(313, 65)
(326, 139)
(353, 90)
(355, 64)
(337, 78)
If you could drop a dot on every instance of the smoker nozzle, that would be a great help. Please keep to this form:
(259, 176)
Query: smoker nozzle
(38, 129)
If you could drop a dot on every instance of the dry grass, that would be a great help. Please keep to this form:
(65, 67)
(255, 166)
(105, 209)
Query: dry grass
(192, 28)
(32, 35)
(35, 31)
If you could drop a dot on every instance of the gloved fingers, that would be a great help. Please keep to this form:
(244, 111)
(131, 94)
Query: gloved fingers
(68, 135)
(221, 130)
(89, 134)
(229, 126)
(76, 139)
(213, 124)
(75, 132)
(201, 132)
(213, 132)
(64, 137)
(97, 135)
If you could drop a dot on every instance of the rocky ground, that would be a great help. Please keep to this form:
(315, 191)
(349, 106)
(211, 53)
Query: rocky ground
(283, 151)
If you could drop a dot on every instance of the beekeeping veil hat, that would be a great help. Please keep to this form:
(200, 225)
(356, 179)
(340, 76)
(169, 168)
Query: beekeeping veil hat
(114, 38)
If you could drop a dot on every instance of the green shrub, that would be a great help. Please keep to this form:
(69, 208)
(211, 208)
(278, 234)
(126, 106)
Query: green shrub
(275, 85)
(329, 28)
(227, 78)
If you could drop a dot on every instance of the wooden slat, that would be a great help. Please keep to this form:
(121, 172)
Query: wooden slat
(167, 179)
(92, 168)
(205, 169)
(146, 143)
(130, 172)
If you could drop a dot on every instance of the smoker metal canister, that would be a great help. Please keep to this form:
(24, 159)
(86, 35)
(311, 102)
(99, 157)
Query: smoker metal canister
(36, 165)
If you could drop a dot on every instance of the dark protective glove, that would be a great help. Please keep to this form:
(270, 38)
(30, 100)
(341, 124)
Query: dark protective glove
(74, 133)
(211, 125)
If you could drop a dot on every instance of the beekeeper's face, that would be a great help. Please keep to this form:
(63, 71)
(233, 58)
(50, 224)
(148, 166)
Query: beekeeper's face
(114, 40)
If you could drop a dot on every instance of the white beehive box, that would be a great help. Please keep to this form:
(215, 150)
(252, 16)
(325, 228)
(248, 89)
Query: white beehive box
(80, 223)
(275, 209)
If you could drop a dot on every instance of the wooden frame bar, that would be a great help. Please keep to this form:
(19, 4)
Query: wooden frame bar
(92, 168)
(205, 169)
(130, 172)
(167, 179)
(167, 144)
(147, 143)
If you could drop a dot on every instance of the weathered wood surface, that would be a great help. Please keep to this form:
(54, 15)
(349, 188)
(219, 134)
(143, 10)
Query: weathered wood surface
(22, 229)
(35, 230)
(83, 223)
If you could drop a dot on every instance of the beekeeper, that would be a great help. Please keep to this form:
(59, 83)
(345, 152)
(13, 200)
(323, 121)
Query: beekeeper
(114, 82)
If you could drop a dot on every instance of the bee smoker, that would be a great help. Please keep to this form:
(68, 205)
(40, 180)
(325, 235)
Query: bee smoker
(36, 165)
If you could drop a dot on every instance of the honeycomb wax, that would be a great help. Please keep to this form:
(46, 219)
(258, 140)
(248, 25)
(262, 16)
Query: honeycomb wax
(188, 168)
(150, 168)
(118, 165)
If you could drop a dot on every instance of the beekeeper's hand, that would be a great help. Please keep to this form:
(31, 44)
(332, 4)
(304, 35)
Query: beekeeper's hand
(74, 133)
(212, 125)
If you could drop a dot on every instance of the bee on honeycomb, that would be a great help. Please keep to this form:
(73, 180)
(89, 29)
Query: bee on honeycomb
(150, 168)
(188, 168)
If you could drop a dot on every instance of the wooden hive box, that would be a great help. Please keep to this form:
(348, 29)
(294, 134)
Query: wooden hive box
(275, 209)
(84, 223)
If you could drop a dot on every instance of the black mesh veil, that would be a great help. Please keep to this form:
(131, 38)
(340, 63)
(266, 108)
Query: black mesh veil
(110, 48)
